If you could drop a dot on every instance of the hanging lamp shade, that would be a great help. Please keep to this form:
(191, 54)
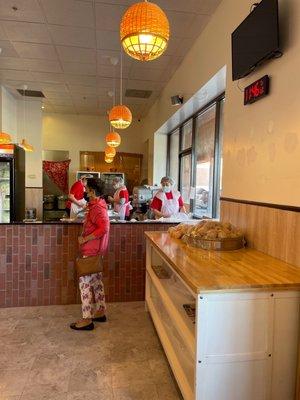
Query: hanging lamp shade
(144, 31)
(113, 139)
(26, 146)
(108, 160)
(5, 138)
(110, 152)
(120, 117)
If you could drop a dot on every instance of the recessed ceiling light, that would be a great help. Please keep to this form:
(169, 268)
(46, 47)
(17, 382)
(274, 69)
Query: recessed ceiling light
(43, 107)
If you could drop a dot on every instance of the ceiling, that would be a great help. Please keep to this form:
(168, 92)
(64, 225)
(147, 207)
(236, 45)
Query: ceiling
(64, 48)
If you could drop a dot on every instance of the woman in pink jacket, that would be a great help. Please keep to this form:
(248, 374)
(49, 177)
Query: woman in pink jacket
(93, 241)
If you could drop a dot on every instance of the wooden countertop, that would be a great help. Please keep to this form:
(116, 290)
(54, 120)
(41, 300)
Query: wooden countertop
(244, 269)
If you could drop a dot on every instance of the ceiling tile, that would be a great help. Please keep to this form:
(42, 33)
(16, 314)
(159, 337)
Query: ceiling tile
(107, 83)
(3, 35)
(180, 23)
(207, 6)
(54, 87)
(8, 49)
(88, 90)
(65, 109)
(19, 84)
(16, 75)
(11, 63)
(33, 50)
(161, 62)
(197, 26)
(52, 96)
(48, 77)
(27, 10)
(76, 68)
(42, 65)
(76, 54)
(26, 32)
(62, 102)
(142, 72)
(69, 12)
(84, 101)
(109, 40)
(178, 46)
(108, 16)
(71, 36)
(108, 71)
(143, 85)
(81, 79)
(104, 58)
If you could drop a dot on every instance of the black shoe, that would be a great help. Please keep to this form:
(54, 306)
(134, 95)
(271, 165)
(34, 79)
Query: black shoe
(100, 319)
(88, 327)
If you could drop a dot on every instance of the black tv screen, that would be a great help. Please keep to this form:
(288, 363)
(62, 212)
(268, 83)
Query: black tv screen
(255, 39)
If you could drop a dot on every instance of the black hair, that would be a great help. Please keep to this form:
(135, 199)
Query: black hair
(97, 185)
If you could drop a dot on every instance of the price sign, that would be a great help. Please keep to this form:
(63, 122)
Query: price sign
(256, 90)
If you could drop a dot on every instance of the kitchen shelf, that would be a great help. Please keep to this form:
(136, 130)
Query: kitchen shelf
(185, 381)
(174, 299)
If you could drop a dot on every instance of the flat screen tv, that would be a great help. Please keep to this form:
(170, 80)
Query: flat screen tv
(256, 39)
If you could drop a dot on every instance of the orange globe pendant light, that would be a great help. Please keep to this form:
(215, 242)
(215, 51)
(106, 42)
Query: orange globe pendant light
(120, 117)
(108, 160)
(113, 139)
(110, 152)
(5, 138)
(144, 31)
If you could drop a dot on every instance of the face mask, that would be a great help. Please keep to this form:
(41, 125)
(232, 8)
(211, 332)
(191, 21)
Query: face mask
(166, 189)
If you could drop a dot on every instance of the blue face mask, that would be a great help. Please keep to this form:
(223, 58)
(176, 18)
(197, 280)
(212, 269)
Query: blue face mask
(166, 189)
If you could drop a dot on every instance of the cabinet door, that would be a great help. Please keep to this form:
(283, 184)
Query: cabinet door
(235, 346)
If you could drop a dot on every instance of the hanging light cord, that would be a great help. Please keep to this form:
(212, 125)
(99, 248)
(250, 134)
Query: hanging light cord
(121, 80)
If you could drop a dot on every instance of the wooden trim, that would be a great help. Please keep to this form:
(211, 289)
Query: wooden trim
(257, 203)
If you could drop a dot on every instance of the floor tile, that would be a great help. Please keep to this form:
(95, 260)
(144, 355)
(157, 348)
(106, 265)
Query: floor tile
(138, 392)
(43, 359)
(12, 381)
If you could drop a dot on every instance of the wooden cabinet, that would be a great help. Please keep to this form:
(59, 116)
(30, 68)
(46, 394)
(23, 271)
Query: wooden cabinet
(129, 163)
(243, 344)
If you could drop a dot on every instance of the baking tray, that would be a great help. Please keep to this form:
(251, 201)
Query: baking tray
(216, 244)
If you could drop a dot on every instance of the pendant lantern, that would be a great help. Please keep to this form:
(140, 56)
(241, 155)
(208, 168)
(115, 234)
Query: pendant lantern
(108, 160)
(120, 117)
(110, 152)
(5, 138)
(144, 31)
(113, 139)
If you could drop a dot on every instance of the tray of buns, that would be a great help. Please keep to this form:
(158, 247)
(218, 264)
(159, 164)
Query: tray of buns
(209, 235)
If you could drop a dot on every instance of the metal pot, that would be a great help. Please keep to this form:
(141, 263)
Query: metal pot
(30, 213)
(49, 202)
(61, 202)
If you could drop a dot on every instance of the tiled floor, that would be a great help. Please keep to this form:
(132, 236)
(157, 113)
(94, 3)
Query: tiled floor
(42, 359)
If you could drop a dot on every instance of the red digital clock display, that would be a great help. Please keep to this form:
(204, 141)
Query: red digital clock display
(256, 90)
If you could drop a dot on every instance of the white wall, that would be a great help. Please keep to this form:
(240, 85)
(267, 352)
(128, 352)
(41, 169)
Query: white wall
(23, 119)
(9, 114)
(30, 128)
(159, 157)
(261, 141)
(76, 133)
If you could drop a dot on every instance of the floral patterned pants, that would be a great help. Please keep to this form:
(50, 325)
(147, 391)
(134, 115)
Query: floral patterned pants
(92, 294)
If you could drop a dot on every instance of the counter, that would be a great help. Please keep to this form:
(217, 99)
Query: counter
(37, 262)
(242, 269)
(228, 321)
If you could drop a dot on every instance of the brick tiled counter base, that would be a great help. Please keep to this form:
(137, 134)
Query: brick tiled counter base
(37, 263)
